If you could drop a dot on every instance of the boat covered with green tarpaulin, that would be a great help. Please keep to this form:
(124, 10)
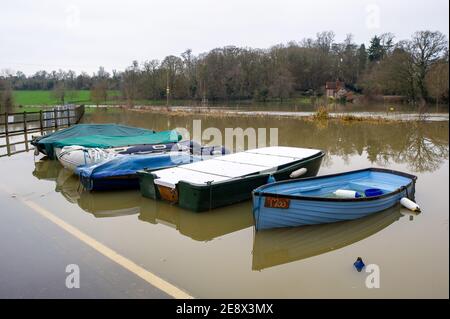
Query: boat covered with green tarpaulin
(101, 136)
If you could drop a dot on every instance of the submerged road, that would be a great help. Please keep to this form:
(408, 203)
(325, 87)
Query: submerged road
(36, 248)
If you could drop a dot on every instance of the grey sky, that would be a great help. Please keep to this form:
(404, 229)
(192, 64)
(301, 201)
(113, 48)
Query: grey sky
(84, 34)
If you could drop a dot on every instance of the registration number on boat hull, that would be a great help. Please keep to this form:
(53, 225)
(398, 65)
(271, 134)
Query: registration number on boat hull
(276, 202)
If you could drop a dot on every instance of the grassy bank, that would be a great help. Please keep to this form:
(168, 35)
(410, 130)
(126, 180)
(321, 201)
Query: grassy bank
(320, 116)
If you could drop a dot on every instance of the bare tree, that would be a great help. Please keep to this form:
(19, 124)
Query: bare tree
(99, 92)
(282, 85)
(130, 83)
(437, 81)
(426, 48)
(6, 97)
(59, 92)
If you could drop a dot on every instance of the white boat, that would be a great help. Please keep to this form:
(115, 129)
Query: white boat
(73, 156)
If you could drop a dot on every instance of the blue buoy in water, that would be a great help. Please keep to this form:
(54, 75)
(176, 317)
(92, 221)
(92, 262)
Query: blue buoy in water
(359, 264)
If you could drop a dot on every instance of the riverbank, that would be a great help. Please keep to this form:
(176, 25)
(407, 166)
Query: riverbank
(346, 113)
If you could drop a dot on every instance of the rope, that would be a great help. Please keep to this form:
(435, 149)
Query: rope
(259, 210)
(210, 194)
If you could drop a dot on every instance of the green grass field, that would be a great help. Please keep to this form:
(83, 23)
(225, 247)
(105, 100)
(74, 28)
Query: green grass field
(29, 100)
(41, 97)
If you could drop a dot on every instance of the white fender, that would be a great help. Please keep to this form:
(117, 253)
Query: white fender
(406, 202)
(298, 173)
(345, 193)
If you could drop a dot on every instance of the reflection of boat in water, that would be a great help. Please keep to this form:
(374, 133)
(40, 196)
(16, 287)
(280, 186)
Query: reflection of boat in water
(47, 170)
(278, 246)
(110, 205)
(67, 185)
(201, 227)
(99, 205)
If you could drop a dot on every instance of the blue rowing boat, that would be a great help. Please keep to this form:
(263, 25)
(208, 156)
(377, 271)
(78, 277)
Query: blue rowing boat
(319, 200)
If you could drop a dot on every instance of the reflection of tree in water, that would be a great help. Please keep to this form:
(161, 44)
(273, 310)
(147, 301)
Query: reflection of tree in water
(327, 161)
(423, 146)
(425, 151)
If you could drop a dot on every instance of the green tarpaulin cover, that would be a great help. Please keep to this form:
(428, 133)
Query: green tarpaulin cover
(102, 141)
(46, 144)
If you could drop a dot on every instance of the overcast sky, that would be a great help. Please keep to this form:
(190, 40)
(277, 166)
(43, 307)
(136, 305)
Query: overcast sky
(84, 34)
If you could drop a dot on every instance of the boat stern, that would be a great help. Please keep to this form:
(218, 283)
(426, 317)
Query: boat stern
(147, 184)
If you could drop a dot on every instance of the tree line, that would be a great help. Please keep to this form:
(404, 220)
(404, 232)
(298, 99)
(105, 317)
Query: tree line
(416, 69)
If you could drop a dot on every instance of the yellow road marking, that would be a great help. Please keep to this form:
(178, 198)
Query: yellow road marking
(126, 263)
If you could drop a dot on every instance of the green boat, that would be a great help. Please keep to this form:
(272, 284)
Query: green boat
(228, 179)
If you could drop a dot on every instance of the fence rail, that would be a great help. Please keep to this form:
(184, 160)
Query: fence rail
(13, 125)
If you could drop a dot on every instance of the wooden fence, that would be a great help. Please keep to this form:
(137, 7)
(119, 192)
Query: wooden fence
(14, 125)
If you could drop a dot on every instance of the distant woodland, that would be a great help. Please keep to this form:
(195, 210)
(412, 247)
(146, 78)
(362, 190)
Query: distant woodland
(416, 69)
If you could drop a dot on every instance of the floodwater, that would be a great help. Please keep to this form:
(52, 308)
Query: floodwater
(372, 107)
(218, 254)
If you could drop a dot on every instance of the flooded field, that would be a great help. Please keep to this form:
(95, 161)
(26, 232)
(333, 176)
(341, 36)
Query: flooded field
(218, 254)
(373, 107)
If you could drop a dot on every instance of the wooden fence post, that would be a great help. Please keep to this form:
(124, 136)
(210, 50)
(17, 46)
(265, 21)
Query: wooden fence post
(8, 149)
(25, 130)
(41, 124)
(6, 123)
(79, 112)
(68, 117)
(55, 117)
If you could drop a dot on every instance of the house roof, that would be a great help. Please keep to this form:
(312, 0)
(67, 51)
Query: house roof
(334, 85)
(331, 85)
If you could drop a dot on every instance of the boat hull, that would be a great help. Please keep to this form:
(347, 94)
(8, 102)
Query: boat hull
(120, 171)
(114, 183)
(198, 198)
(307, 211)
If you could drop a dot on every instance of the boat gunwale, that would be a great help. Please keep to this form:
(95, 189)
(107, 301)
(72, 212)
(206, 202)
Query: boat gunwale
(259, 192)
(136, 175)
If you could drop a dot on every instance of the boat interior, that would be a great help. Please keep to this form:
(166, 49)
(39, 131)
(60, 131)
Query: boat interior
(361, 182)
